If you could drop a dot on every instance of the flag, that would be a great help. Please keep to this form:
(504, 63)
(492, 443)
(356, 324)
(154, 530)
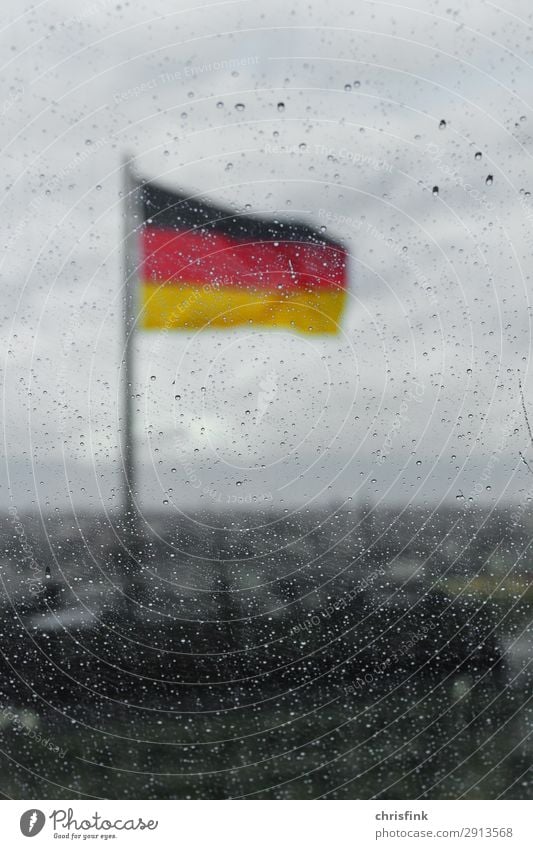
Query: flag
(203, 266)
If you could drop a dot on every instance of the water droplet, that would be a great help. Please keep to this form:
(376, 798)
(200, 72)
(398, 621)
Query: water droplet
(281, 107)
(220, 104)
(238, 483)
(489, 180)
(435, 190)
(239, 107)
(442, 124)
(477, 155)
(347, 87)
(152, 377)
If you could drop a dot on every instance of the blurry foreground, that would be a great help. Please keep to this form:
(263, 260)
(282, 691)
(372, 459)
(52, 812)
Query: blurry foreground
(367, 654)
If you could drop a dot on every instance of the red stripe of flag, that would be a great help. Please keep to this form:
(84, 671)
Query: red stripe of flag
(212, 257)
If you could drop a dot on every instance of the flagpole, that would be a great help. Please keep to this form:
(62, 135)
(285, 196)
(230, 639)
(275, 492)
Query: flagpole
(130, 289)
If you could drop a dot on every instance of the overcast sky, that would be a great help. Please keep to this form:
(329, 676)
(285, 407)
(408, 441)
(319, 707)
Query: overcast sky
(346, 114)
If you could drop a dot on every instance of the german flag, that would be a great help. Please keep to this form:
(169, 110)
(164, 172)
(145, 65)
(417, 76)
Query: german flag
(203, 266)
